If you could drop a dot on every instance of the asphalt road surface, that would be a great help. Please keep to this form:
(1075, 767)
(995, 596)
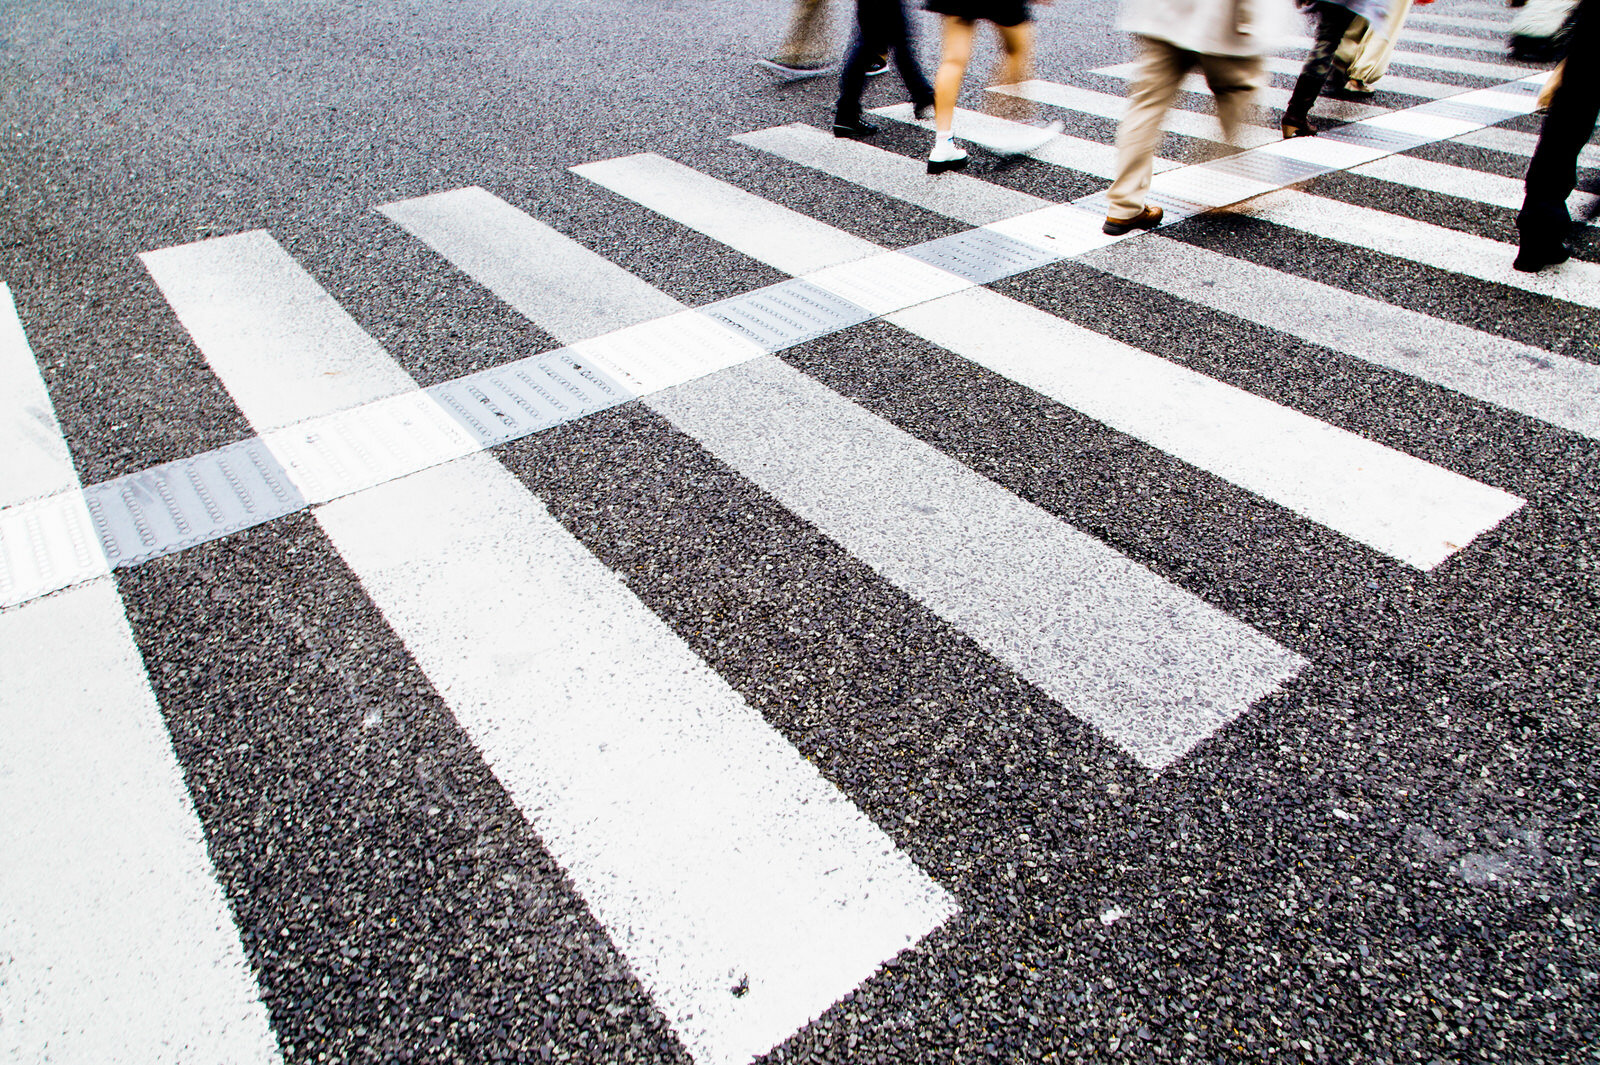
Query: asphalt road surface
(516, 545)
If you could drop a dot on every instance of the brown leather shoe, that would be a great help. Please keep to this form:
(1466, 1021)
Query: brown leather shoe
(1148, 218)
(1297, 127)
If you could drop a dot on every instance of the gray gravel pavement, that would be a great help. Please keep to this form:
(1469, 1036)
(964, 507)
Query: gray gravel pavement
(1392, 857)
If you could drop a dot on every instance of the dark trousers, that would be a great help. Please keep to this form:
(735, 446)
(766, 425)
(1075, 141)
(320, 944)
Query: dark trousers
(880, 27)
(1332, 21)
(1568, 125)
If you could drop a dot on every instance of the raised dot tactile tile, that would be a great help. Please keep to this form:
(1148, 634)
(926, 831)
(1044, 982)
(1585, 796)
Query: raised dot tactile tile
(158, 511)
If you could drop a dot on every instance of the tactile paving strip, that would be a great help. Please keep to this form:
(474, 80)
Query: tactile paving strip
(528, 395)
(667, 351)
(158, 511)
(783, 315)
(887, 283)
(981, 255)
(46, 545)
(1464, 111)
(1368, 136)
(1269, 168)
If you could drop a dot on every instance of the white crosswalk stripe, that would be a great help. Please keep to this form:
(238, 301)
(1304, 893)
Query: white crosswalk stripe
(704, 844)
(116, 943)
(1105, 105)
(1071, 153)
(1403, 506)
(953, 195)
(1452, 64)
(1397, 169)
(1457, 181)
(1267, 95)
(1020, 582)
(1541, 384)
(1464, 254)
(1516, 142)
(1467, 22)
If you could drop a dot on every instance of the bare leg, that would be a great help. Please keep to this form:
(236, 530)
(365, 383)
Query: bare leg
(1014, 67)
(953, 58)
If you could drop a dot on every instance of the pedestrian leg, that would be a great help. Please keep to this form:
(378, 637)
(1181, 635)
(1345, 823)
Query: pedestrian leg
(806, 42)
(1553, 171)
(955, 52)
(1233, 81)
(1161, 67)
(871, 36)
(1332, 21)
(905, 58)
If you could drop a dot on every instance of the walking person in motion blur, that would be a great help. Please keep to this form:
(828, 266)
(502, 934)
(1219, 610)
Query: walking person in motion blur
(1226, 39)
(804, 52)
(880, 28)
(1334, 17)
(1543, 223)
(1014, 23)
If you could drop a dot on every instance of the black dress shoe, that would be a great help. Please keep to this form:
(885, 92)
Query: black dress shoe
(856, 130)
(922, 112)
(1534, 257)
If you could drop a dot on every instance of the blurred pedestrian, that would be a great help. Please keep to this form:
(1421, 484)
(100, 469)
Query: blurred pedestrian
(1367, 46)
(880, 28)
(1543, 223)
(1226, 39)
(1333, 19)
(804, 52)
(1014, 24)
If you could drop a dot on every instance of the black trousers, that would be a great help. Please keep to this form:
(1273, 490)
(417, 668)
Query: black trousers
(1332, 21)
(1570, 122)
(880, 27)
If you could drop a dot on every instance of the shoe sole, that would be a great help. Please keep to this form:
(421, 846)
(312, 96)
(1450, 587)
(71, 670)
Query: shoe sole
(788, 74)
(943, 165)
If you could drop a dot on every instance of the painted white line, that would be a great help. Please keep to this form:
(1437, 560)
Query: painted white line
(711, 852)
(1390, 501)
(1267, 96)
(37, 463)
(1430, 90)
(116, 943)
(1393, 502)
(1493, 25)
(267, 324)
(957, 196)
(1070, 153)
(1515, 142)
(1457, 181)
(1419, 242)
(1457, 41)
(1540, 384)
(270, 329)
(1154, 668)
(1449, 63)
(47, 540)
(1105, 105)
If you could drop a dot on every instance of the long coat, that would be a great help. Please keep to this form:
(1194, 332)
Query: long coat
(1213, 27)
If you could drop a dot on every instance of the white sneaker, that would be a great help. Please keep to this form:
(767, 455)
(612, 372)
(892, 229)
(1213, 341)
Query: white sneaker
(946, 156)
(1026, 139)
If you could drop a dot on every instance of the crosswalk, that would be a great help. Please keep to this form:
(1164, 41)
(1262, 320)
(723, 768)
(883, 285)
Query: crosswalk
(746, 891)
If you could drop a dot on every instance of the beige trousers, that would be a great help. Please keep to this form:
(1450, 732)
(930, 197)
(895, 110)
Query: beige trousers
(1161, 69)
(1366, 49)
(807, 40)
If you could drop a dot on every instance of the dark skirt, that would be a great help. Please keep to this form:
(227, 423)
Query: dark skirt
(999, 12)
